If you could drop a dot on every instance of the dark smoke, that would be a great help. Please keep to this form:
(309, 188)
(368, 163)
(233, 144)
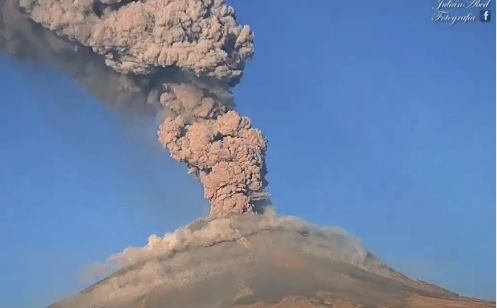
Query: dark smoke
(176, 59)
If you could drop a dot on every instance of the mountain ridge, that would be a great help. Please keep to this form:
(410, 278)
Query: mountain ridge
(286, 265)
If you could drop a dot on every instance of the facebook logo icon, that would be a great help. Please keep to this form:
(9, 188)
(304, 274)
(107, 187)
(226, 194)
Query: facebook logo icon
(485, 15)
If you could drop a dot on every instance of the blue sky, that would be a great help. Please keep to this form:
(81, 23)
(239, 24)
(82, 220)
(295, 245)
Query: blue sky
(380, 121)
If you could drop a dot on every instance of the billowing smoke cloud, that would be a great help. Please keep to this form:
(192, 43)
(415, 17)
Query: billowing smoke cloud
(177, 59)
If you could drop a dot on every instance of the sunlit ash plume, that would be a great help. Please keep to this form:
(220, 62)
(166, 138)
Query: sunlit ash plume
(179, 58)
(177, 61)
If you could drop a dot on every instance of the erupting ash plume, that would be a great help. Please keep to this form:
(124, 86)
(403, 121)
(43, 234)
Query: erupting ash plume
(177, 61)
(173, 58)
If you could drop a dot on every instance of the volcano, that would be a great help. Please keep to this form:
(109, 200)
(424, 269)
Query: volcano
(176, 62)
(260, 261)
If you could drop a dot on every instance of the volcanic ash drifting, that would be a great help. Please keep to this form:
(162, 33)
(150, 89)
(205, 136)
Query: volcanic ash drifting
(177, 58)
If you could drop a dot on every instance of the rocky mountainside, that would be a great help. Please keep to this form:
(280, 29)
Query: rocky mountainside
(286, 263)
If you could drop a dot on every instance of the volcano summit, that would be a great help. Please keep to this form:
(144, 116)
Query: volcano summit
(260, 261)
(177, 61)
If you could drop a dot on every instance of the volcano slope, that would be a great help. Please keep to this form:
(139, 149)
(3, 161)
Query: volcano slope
(258, 261)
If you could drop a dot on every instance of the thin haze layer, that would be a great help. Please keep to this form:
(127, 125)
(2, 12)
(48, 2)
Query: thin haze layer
(177, 59)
